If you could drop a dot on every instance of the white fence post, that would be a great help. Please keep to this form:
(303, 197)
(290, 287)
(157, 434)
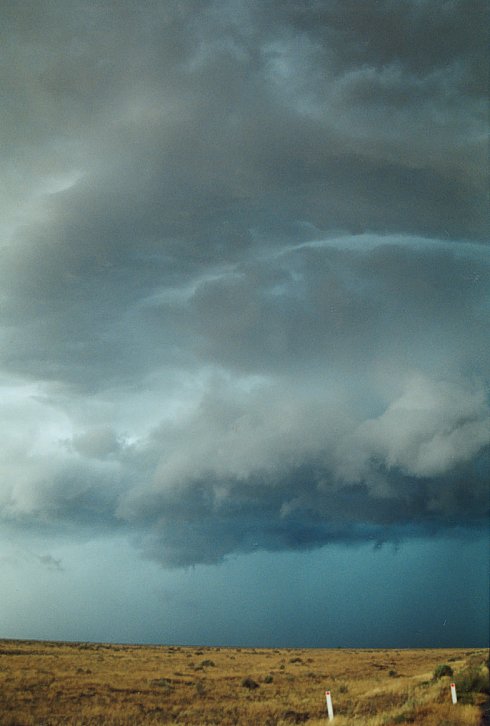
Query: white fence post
(328, 699)
(453, 693)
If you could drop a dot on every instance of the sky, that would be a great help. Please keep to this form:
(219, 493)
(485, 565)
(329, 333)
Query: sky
(244, 322)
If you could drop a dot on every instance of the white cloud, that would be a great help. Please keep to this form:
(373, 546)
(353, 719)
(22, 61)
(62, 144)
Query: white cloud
(427, 431)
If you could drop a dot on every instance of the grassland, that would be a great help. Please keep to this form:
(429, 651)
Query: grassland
(46, 683)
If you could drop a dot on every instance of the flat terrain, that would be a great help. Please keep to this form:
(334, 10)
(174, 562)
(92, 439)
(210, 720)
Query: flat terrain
(84, 683)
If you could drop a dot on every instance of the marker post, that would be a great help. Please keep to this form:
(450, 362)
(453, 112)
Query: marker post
(454, 697)
(328, 699)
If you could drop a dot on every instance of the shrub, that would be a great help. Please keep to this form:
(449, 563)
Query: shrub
(442, 670)
(200, 689)
(249, 683)
(473, 679)
(268, 679)
(407, 717)
(161, 682)
(295, 716)
(164, 683)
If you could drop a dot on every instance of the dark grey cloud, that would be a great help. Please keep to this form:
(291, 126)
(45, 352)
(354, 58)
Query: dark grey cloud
(324, 305)
(244, 277)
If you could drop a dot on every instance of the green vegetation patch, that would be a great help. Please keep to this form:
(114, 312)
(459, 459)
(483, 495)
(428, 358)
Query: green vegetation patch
(442, 670)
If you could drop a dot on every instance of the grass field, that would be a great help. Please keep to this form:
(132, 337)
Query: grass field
(45, 683)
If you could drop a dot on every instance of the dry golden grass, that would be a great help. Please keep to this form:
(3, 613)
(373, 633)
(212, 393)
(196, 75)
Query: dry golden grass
(44, 684)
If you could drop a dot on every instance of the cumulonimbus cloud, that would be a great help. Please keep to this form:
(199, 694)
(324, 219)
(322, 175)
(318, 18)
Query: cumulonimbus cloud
(244, 277)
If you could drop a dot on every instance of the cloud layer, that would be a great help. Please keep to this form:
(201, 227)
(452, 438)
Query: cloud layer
(244, 275)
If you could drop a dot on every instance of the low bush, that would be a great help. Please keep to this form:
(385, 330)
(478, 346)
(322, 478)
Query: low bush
(249, 683)
(473, 679)
(164, 684)
(295, 716)
(200, 688)
(442, 670)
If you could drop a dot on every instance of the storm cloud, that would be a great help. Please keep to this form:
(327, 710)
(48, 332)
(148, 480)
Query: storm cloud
(245, 280)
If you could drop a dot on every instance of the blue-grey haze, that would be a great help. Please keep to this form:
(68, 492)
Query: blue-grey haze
(430, 593)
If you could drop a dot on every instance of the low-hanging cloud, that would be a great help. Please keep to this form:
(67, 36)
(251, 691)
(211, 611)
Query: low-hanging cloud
(430, 429)
(307, 412)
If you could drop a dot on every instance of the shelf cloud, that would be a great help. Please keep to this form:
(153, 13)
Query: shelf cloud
(245, 278)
